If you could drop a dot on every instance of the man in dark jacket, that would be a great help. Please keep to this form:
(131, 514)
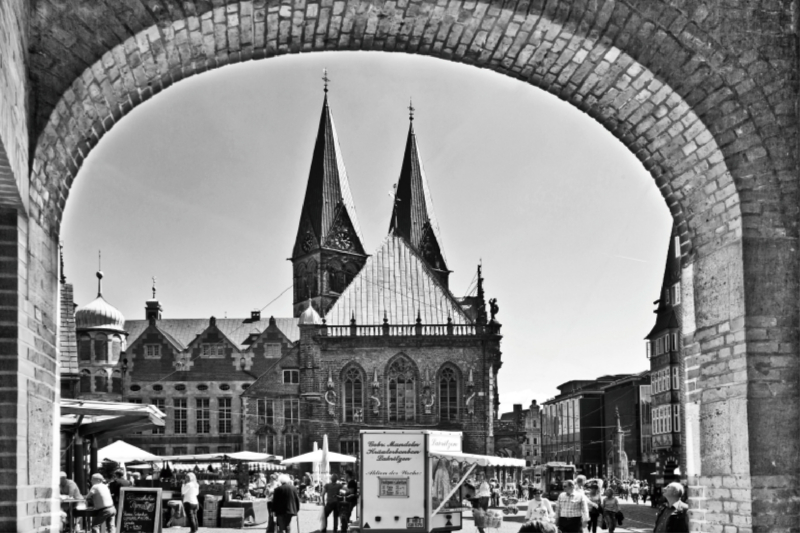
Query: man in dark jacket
(673, 516)
(285, 504)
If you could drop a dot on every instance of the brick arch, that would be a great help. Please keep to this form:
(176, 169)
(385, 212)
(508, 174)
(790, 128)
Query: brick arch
(712, 121)
(670, 116)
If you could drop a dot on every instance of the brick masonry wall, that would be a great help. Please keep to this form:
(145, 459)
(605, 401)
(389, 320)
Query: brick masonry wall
(14, 93)
(28, 374)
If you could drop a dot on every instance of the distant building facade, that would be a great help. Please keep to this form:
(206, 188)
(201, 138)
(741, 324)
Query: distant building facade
(628, 398)
(382, 340)
(510, 434)
(667, 370)
(532, 448)
(572, 425)
(375, 340)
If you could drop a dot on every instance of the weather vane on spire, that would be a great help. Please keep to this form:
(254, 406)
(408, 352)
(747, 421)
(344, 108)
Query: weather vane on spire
(154, 287)
(411, 109)
(325, 78)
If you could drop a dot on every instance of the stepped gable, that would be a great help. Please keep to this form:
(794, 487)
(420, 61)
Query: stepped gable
(396, 280)
(182, 331)
(413, 216)
(328, 218)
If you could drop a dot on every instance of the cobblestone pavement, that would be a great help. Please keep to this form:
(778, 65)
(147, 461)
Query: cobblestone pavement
(638, 518)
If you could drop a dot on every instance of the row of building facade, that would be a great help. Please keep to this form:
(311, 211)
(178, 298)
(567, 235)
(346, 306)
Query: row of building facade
(373, 340)
(584, 424)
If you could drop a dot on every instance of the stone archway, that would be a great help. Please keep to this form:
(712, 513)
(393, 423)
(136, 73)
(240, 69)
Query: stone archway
(705, 105)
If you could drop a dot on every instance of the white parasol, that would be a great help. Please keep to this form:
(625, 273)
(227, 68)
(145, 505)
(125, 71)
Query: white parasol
(325, 465)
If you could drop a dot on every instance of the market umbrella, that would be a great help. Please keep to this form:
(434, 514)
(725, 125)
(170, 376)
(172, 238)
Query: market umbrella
(122, 452)
(316, 457)
(317, 477)
(325, 463)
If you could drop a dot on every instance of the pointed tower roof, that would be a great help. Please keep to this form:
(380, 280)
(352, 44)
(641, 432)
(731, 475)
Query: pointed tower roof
(328, 206)
(413, 216)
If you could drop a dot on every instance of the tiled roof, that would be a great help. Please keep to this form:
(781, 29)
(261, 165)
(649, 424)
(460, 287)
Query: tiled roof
(183, 331)
(665, 320)
(328, 186)
(397, 281)
(413, 206)
(67, 341)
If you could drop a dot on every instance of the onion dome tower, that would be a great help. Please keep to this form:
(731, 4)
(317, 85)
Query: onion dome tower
(328, 250)
(413, 217)
(100, 328)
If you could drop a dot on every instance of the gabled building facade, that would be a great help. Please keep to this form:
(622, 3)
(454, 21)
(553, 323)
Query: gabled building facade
(374, 340)
(667, 370)
(385, 343)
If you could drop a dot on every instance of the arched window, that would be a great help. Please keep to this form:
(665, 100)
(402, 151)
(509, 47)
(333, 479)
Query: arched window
(311, 278)
(336, 277)
(85, 348)
(116, 382)
(353, 395)
(401, 379)
(448, 394)
(300, 288)
(350, 272)
(101, 381)
(101, 347)
(116, 348)
(86, 381)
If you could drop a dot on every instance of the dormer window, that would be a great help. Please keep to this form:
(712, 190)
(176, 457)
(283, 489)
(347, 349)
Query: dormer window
(152, 351)
(215, 349)
(291, 377)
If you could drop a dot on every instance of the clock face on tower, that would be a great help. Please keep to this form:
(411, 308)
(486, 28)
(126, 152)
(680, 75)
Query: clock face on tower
(308, 242)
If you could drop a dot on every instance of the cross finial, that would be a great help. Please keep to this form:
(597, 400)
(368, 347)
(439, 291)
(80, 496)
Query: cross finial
(154, 287)
(411, 110)
(325, 79)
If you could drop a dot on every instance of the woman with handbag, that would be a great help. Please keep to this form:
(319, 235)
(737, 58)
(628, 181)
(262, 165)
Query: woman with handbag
(610, 506)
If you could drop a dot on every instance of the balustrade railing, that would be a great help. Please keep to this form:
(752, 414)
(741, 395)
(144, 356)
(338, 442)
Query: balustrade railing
(407, 330)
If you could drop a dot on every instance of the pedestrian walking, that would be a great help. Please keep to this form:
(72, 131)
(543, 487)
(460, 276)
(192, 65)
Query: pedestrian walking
(572, 511)
(285, 504)
(539, 508)
(189, 491)
(595, 499)
(330, 502)
(673, 516)
(635, 491)
(483, 491)
(611, 507)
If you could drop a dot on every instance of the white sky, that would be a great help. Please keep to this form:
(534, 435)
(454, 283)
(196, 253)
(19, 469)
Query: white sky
(202, 187)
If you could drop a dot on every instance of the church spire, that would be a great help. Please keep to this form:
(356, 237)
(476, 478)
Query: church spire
(329, 247)
(413, 217)
(328, 205)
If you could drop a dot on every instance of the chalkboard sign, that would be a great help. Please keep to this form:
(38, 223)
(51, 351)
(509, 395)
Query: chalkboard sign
(139, 510)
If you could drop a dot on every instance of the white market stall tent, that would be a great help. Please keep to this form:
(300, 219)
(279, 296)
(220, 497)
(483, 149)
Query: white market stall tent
(316, 457)
(122, 452)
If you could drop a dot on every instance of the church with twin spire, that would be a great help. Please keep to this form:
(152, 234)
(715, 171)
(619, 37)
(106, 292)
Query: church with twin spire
(376, 338)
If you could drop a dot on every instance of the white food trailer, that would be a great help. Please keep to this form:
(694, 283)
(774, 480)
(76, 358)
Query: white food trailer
(410, 479)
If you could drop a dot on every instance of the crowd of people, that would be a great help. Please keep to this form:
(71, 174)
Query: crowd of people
(281, 491)
(583, 506)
